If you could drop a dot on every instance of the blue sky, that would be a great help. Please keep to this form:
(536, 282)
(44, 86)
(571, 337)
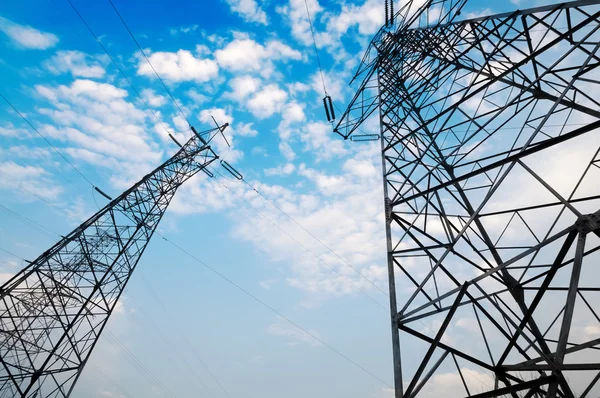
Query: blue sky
(250, 64)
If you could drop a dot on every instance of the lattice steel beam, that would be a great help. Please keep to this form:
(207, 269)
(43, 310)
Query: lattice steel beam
(490, 140)
(53, 311)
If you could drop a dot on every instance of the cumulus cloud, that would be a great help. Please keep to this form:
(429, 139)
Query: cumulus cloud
(243, 86)
(27, 37)
(100, 126)
(77, 63)
(282, 170)
(295, 12)
(317, 138)
(178, 67)
(153, 99)
(245, 130)
(267, 101)
(249, 10)
(14, 176)
(245, 54)
(9, 130)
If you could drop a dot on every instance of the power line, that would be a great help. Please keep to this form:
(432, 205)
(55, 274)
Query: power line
(140, 367)
(111, 381)
(264, 304)
(156, 328)
(174, 101)
(287, 215)
(305, 248)
(13, 254)
(27, 221)
(312, 31)
(148, 60)
(136, 363)
(190, 345)
(314, 237)
(45, 139)
(38, 227)
(20, 186)
(144, 371)
(117, 66)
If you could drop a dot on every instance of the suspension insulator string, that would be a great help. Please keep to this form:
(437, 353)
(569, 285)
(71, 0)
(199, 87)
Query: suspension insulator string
(387, 14)
(327, 99)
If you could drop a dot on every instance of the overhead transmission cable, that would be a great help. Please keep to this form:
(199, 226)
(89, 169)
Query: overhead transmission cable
(47, 141)
(158, 331)
(270, 308)
(303, 246)
(315, 238)
(39, 227)
(117, 66)
(314, 40)
(327, 103)
(144, 371)
(183, 114)
(149, 63)
(182, 334)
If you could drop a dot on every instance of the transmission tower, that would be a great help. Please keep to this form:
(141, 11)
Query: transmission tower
(490, 150)
(53, 311)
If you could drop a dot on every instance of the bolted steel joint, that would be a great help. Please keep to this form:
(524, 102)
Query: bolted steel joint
(588, 223)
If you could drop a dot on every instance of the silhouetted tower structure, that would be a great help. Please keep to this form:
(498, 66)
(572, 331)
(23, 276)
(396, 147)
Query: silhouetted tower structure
(490, 148)
(54, 310)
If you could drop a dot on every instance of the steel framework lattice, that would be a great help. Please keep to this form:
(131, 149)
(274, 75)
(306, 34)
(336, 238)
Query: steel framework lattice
(490, 137)
(54, 310)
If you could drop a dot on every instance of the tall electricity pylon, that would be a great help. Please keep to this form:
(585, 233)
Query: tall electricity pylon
(53, 311)
(490, 136)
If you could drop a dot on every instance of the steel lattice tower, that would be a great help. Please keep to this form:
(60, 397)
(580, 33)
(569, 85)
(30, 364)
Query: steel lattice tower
(54, 310)
(490, 146)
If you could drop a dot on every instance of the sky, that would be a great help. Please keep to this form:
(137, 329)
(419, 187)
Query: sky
(181, 330)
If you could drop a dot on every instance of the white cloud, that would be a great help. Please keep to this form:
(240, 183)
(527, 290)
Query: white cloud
(286, 150)
(297, 88)
(9, 130)
(27, 37)
(282, 170)
(267, 101)
(245, 130)
(100, 126)
(243, 86)
(249, 10)
(245, 54)
(368, 18)
(318, 138)
(451, 385)
(267, 284)
(183, 29)
(219, 114)
(197, 97)
(178, 67)
(153, 99)
(295, 11)
(14, 176)
(77, 63)
(592, 331)
(5, 277)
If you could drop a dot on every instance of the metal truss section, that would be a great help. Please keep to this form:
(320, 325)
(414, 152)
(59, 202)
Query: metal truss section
(54, 310)
(490, 138)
